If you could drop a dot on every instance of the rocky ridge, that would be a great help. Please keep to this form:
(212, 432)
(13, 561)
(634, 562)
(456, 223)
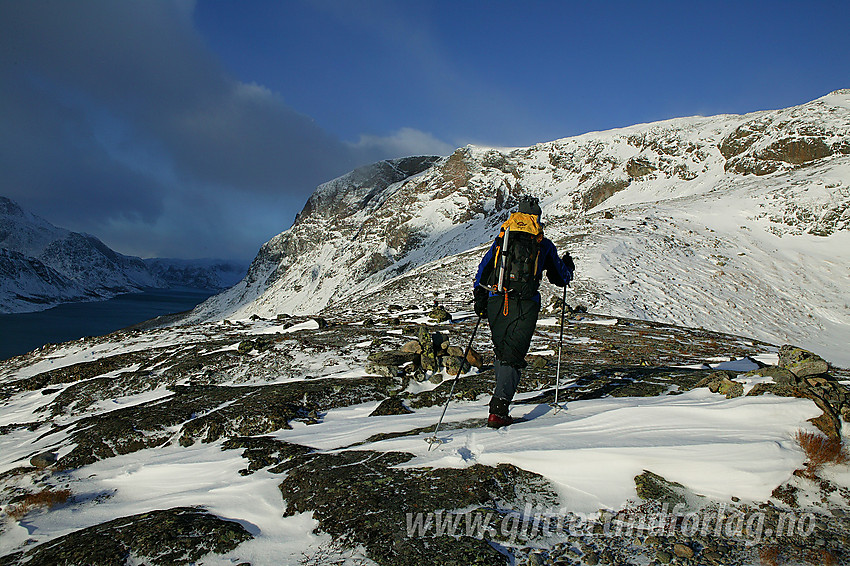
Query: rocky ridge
(234, 385)
(707, 189)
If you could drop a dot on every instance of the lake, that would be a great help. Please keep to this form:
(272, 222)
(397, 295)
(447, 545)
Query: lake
(20, 333)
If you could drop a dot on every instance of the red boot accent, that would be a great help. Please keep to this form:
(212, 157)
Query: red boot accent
(495, 421)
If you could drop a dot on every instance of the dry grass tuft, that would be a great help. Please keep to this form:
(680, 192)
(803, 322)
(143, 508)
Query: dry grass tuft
(769, 555)
(45, 498)
(820, 450)
(823, 558)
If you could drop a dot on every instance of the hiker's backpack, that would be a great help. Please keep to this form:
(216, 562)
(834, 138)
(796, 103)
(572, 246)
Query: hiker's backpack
(517, 256)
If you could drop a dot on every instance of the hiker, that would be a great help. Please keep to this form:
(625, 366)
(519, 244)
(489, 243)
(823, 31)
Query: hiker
(506, 292)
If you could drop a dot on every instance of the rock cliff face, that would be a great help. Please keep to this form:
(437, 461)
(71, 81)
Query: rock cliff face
(671, 201)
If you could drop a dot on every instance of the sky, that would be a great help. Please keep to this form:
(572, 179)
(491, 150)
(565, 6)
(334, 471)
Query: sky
(199, 129)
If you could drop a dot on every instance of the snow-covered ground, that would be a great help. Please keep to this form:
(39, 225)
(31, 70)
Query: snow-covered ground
(720, 448)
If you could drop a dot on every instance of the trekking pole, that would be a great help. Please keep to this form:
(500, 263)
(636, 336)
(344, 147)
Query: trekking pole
(431, 440)
(555, 405)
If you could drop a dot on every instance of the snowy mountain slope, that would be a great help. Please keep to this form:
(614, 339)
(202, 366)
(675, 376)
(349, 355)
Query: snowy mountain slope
(28, 280)
(43, 266)
(735, 223)
(197, 273)
(23, 231)
(88, 268)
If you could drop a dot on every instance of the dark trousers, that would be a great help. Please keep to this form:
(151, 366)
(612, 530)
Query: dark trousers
(511, 333)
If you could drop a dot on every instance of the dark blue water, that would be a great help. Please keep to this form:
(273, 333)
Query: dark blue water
(20, 333)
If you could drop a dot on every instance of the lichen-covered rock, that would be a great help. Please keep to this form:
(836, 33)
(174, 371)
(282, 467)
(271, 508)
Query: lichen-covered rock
(363, 498)
(780, 376)
(263, 451)
(640, 389)
(440, 314)
(650, 486)
(79, 371)
(454, 364)
(429, 357)
(719, 382)
(239, 411)
(383, 370)
(391, 358)
(181, 535)
(468, 387)
(43, 460)
(391, 406)
(800, 362)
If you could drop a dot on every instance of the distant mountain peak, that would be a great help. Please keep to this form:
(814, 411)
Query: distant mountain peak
(45, 266)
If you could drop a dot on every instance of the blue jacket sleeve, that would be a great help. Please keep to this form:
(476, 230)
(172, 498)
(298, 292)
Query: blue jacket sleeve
(486, 262)
(556, 270)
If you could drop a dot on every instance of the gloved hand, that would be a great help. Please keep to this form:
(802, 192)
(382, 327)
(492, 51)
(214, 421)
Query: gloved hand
(480, 296)
(568, 261)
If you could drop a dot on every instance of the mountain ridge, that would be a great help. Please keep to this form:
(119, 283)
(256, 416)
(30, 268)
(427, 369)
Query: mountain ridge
(784, 175)
(43, 265)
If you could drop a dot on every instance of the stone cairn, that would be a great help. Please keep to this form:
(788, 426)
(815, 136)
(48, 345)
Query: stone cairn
(424, 358)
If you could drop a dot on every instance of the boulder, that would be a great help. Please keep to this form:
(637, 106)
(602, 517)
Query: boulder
(391, 406)
(453, 364)
(719, 382)
(413, 347)
(780, 376)
(43, 460)
(456, 351)
(382, 370)
(391, 358)
(475, 359)
(440, 314)
(800, 362)
(683, 551)
(650, 486)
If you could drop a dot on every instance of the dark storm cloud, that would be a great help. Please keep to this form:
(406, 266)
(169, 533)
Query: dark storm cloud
(52, 163)
(107, 107)
(146, 64)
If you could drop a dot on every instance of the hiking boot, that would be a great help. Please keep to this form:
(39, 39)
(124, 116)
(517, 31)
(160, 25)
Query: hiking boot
(497, 421)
